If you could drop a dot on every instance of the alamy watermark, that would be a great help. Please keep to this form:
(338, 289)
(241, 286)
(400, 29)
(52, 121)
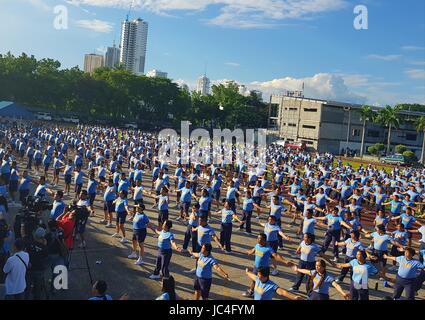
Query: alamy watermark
(361, 21)
(225, 147)
(60, 22)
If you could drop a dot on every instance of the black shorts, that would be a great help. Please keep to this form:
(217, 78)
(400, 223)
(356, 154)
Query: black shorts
(56, 171)
(217, 195)
(139, 235)
(78, 188)
(162, 216)
(121, 217)
(109, 206)
(257, 200)
(203, 285)
(13, 185)
(102, 179)
(274, 245)
(138, 202)
(185, 207)
(92, 196)
(68, 179)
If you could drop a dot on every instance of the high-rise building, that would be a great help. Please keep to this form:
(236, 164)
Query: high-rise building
(134, 38)
(203, 85)
(92, 62)
(157, 74)
(112, 57)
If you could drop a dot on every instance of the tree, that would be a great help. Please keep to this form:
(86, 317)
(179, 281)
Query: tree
(400, 149)
(420, 127)
(389, 117)
(366, 115)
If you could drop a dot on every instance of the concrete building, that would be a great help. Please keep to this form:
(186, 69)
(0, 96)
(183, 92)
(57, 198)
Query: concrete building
(92, 62)
(329, 126)
(134, 38)
(157, 74)
(203, 85)
(112, 57)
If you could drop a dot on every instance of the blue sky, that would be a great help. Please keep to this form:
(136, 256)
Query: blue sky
(269, 45)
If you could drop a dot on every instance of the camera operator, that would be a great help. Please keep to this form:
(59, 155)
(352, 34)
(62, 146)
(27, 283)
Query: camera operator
(58, 252)
(82, 211)
(66, 222)
(58, 205)
(5, 245)
(37, 250)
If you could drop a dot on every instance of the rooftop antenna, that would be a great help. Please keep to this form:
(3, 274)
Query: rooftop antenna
(205, 68)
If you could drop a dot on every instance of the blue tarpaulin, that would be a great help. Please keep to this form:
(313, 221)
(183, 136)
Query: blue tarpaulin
(14, 110)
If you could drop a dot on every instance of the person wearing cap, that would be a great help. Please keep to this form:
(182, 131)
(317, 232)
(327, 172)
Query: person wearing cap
(38, 255)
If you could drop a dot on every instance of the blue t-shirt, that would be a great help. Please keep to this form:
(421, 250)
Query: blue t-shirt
(186, 195)
(380, 242)
(308, 225)
(262, 256)
(226, 216)
(109, 194)
(352, 248)
(400, 236)
(396, 207)
(25, 184)
(105, 297)
(57, 210)
(162, 202)
(248, 205)
(231, 194)
(334, 223)
(271, 231)
(164, 240)
(309, 252)
(408, 269)
(91, 186)
(120, 205)
(140, 221)
(326, 283)
(204, 203)
(205, 265)
(276, 210)
(205, 234)
(264, 291)
(407, 220)
(361, 272)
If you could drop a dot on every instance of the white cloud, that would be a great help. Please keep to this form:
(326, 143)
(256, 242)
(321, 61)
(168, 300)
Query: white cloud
(95, 25)
(233, 13)
(40, 4)
(412, 48)
(321, 86)
(232, 64)
(390, 57)
(415, 73)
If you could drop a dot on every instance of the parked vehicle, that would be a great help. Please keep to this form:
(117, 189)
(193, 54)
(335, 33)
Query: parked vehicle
(131, 125)
(71, 119)
(44, 116)
(397, 159)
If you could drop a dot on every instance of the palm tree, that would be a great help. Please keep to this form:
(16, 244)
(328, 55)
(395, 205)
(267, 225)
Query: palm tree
(366, 115)
(389, 117)
(420, 126)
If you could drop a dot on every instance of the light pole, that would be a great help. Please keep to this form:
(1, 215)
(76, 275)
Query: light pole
(348, 128)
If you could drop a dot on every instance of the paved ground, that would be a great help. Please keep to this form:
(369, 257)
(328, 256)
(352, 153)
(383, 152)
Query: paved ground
(123, 276)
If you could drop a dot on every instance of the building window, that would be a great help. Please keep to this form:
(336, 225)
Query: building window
(356, 133)
(310, 110)
(308, 127)
(308, 142)
(373, 134)
(411, 136)
(293, 109)
(292, 125)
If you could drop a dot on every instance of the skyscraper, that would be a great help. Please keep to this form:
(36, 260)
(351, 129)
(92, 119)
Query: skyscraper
(203, 85)
(134, 37)
(92, 62)
(157, 74)
(112, 57)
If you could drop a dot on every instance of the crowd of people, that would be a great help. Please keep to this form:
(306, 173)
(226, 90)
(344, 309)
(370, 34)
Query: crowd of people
(125, 168)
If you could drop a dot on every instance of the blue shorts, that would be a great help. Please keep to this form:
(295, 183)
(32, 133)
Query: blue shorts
(203, 285)
(162, 216)
(139, 235)
(185, 207)
(92, 196)
(13, 185)
(121, 217)
(68, 179)
(109, 206)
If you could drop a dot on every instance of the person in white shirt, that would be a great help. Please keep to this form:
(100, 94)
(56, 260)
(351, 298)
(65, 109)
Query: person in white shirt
(15, 269)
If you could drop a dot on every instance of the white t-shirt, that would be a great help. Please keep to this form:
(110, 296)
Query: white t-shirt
(16, 270)
(422, 232)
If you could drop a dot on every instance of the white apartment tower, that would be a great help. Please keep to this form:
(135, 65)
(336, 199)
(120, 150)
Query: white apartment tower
(112, 57)
(92, 62)
(134, 37)
(203, 85)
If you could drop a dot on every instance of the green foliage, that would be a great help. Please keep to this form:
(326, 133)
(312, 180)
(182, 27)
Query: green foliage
(372, 150)
(410, 155)
(400, 149)
(380, 147)
(119, 95)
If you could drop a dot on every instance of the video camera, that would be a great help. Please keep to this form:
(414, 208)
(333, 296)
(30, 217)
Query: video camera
(28, 217)
(37, 204)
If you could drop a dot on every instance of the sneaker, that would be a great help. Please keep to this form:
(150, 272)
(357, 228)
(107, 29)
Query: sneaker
(178, 218)
(115, 235)
(292, 289)
(335, 259)
(381, 279)
(82, 245)
(184, 250)
(109, 225)
(338, 281)
(154, 276)
(248, 293)
(139, 262)
(102, 221)
(275, 272)
(124, 240)
(248, 233)
(133, 255)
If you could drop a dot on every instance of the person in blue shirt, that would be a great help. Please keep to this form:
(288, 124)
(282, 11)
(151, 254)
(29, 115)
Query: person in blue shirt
(162, 202)
(99, 290)
(232, 195)
(407, 274)
(13, 183)
(333, 233)
(263, 257)
(78, 180)
(227, 216)
(309, 222)
(257, 192)
(379, 243)
(68, 170)
(204, 203)
(352, 245)
(272, 231)
(409, 221)
(185, 200)
(140, 224)
(122, 210)
(166, 243)
(92, 190)
(58, 205)
(401, 237)
(247, 208)
(264, 288)
(192, 224)
(396, 206)
(320, 282)
(24, 187)
(361, 270)
(168, 289)
(204, 274)
(308, 250)
(381, 219)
